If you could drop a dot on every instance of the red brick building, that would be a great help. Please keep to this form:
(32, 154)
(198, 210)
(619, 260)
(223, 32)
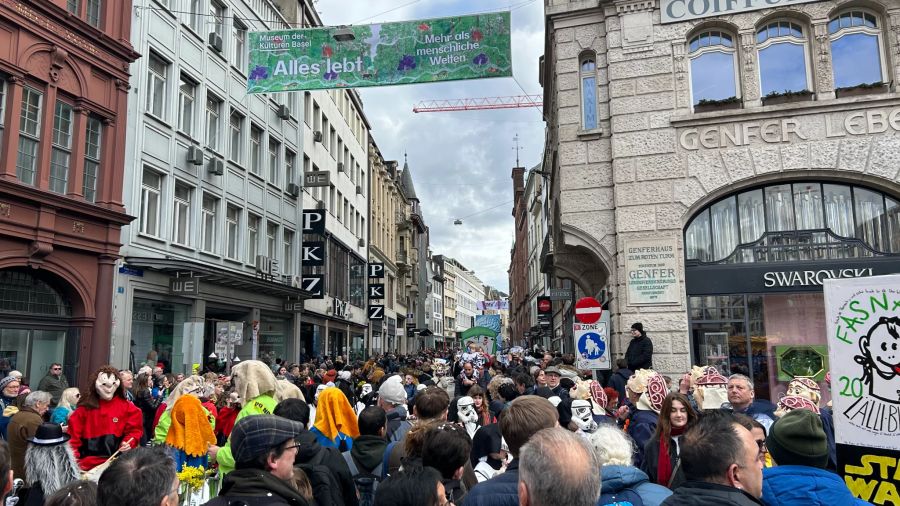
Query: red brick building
(63, 105)
(519, 309)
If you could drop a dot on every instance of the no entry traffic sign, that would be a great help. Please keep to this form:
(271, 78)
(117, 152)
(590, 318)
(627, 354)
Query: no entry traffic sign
(588, 310)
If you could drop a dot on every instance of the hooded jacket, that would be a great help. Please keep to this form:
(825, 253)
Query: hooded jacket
(699, 493)
(805, 485)
(368, 452)
(618, 381)
(256, 488)
(616, 479)
(331, 458)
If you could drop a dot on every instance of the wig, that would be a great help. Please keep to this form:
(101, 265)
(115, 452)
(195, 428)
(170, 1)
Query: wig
(54, 466)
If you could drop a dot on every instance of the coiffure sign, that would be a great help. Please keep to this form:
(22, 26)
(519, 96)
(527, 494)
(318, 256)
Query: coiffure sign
(674, 11)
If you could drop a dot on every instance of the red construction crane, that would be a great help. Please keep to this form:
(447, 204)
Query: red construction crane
(478, 104)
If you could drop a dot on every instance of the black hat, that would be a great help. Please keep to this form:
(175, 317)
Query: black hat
(797, 438)
(638, 326)
(49, 434)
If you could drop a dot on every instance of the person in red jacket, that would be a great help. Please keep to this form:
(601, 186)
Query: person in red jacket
(104, 421)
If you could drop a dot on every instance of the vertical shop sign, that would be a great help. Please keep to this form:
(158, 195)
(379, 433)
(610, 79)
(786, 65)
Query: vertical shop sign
(376, 291)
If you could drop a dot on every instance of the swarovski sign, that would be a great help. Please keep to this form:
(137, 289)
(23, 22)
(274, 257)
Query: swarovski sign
(810, 278)
(673, 11)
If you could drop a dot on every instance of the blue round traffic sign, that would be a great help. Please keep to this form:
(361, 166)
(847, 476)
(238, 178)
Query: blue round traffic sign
(591, 346)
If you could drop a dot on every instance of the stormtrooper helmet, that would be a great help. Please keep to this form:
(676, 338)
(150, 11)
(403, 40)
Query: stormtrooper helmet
(582, 415)
(319, 390)
(365, 390)
(465, 409)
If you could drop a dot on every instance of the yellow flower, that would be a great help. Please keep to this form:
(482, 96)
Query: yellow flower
(193, 478)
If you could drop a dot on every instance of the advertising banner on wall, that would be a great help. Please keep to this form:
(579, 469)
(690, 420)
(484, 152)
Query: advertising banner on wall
(492, 305)
(863, 328)
(651, 270)
(406, 52)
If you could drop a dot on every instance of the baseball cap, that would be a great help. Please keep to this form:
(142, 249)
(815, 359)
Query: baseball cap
(255, 435)
(552, 370)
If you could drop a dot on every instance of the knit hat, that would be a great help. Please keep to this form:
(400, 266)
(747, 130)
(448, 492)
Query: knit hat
(329, 376)
(798, 439)
(392, 391)
(6, 381)
(638, 326)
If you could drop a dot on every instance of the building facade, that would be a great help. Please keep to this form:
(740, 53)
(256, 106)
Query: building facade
(710, 170)
(63, 104)
(414, 247)
(519, 306)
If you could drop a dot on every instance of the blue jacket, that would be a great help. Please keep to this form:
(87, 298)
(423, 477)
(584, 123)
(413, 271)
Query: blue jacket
(809, 486)
(619, 478)
(641, 428)
(500, 491)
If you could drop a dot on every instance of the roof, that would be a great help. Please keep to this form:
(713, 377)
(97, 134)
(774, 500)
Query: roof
(406, 182)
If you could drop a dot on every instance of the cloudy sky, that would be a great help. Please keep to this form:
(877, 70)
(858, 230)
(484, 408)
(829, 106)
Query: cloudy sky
(460, 161)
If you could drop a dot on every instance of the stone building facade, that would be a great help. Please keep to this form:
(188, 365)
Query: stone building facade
(707, 200)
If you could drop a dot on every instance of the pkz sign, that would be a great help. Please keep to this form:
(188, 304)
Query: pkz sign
(376, 291)
(673, 11)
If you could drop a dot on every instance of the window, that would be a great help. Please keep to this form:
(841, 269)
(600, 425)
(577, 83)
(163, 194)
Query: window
(232, 222)
(274, 151)
(782, 58)
(186, 92)
(208, 232)
(798, 221)
(856, 49)
(287, 263)
(307, 108)
(151, 186)
(73, 6)
(325, 137)
(181, 214)
(29, 135)
(236, 123)
(290, 163)
(339, 206)
(213, 113)
(240, 46)
(196, 17)
(94, 8)
(92, 143)
(713, 67)
(2, 109)
(588, 71)
(272, 240)
(256, 135)
(157, 72)
(217, 18)
(332, 143)
(253, 237)
(61, 153)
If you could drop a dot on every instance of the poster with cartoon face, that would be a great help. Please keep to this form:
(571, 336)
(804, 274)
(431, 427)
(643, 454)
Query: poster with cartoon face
(864, 349)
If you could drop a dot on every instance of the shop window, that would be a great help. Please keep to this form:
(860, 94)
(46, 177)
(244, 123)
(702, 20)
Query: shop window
(713, 67)
(795, 221)
(856, 53)
(157, 329)
(22, 293)
(783, 64)
(588, 79)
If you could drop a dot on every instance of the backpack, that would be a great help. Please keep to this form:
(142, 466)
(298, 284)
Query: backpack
(624, 497)
(326, 489)
(367, 482)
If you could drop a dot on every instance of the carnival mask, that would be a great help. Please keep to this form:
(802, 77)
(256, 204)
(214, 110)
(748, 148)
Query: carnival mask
(582, 415)
(106, 385)
(792, 402)
(804, 387)
(440, 367)
(465, 408)
(366, 389)
(711, 391)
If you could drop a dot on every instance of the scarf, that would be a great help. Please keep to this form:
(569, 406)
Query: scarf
(664, 464)
(190, 431)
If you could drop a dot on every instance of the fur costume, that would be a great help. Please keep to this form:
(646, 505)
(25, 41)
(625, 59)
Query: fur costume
(284, 389)
(54, 466)
(99, 426)
(252, 378)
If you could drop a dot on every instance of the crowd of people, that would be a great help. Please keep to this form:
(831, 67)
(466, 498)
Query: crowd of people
(439, 428)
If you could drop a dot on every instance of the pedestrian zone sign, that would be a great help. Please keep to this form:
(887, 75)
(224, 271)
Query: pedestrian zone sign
(592, 343)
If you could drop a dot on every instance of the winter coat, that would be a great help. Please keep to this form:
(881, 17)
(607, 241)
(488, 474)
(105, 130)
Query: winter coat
(641, 429)
(6, 414)
(809, 486)
(22, 426)
(397, 424)
(97, 433)
(309, 451)
(699, 493)
(618, 381)
(616, 479)
(256, 488)
(260, 405)
(650, 462)
(368, 452)
(640, 353)
(54, 386)
(502, 490)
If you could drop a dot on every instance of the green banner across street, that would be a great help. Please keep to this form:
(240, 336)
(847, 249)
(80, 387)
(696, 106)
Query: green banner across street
(407, 52)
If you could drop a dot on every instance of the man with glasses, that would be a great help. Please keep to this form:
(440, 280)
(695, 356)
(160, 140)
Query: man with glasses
(54, 383)
(264, 448)
(721, 462)
(141, 477)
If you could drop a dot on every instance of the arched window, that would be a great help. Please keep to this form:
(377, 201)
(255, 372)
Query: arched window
(713, 67)
(588, 78)
(795, 221)
(783, 64)
(856, 55)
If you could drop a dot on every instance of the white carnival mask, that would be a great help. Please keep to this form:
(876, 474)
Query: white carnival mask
(319, 390)
(582, 415)
(365, 390)
(465, 408)
(106, 385)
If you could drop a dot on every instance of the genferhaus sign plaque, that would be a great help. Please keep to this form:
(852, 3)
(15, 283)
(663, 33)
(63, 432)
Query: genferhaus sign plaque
(673, 11)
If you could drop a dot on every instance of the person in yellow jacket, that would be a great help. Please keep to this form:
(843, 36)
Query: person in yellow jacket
(255, 383)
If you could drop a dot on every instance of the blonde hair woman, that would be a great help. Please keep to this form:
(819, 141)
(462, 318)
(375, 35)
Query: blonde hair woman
(67, 402)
